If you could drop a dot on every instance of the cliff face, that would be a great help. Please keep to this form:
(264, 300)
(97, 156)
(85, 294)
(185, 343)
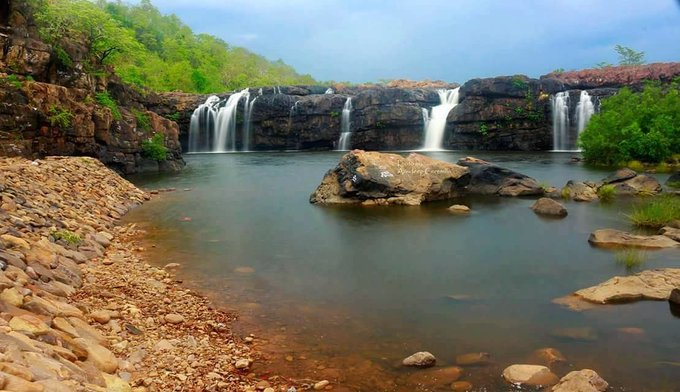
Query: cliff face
(501, 113)
(49, 110)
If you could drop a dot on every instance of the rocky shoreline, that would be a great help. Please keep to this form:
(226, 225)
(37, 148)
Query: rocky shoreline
(80, 310)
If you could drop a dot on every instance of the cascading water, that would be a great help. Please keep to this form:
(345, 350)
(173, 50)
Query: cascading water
(569, 122)
(213, 124)
(329, 91)
(560, 119)
(246, 125)
(436, 121)
(202, 126)
(584, 111)
(344, 143)
(291, 113)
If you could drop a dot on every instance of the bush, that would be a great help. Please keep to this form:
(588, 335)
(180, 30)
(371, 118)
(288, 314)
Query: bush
(143, 120)
(154, 148)
(635, 126)
(69, 237)
(13, 81)
(606, 192)
(173, 117)
(60, 117)
(656, 212)
(105, 100)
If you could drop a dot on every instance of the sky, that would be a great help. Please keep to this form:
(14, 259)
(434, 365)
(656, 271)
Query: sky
(450, 40)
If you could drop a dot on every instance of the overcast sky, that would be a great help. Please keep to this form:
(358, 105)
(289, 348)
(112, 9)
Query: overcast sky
(451, 40)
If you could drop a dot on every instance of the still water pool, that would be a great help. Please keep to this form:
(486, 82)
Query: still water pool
(346, 292)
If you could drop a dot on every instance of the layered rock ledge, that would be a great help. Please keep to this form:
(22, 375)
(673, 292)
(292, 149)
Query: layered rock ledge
(80, 310)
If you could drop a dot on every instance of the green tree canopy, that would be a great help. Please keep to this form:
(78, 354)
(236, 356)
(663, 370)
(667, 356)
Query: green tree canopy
(152, 50)
(628, 56)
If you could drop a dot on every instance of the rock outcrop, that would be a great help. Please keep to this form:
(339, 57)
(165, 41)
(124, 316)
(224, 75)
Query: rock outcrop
(50, 109)
(489, 179)
(610, 238)
(632, 76)
(654, 284)
(379, 178)
(629, 182)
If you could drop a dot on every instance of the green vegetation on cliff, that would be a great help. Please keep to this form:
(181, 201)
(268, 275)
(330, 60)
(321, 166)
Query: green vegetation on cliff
(642, 126)
(151, 50)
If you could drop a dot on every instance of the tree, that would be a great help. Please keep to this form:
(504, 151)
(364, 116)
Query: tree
(628, 56)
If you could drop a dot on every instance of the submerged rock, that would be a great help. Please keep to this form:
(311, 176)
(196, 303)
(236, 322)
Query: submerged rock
(435, 377)
(380, 178)
(489, 179)
(654, 284)
(550, 207)
(615, 238)
(420, 359)
(549, 355)
(529, 375)
(459, 209)
(473, 359)
(585, 380)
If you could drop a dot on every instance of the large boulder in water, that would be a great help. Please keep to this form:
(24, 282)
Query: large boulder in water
(378, 178)
(585, 380)
(654, 284)
(611, 238)
(489, 179)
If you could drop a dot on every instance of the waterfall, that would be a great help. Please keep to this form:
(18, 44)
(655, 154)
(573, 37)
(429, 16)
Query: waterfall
(201, 128)
(246, 125)
(584, 111)
(426, 118)
(560, 119)
(344, 143)
(291, 113)
(436, 123)
(329, 91)
(568, 122)
(225, 132)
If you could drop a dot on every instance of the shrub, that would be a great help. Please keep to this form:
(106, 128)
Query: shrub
(641, 126)
(606, 192)
(69, 237)
(630, 258)
(335, 114)
(154, 148)
(105, 100)
(484, 129)
(174, 116)
(143, 120)
(60, 117)
(656, 212)
(13, 81)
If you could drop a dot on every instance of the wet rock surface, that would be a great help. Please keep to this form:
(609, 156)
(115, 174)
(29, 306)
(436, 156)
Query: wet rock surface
(489, 179)
(549, 207)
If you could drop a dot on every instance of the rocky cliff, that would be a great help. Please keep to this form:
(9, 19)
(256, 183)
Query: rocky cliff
(49, 109)
(501, 113)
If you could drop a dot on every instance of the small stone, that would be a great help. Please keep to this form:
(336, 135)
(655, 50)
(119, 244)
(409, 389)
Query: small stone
(269, 390)
(549, 207)
(173, 318)
(99, 355)
(27, 323)
(461, 386)
(12, 296)
(171, 266)
(321, 385)
(164, 345)
(459, 209)
(242, 363)
(101, 316)
(420, 359)
(585, 380)
(248, 339)
(261, 385)
(674, 298)
(529, 375)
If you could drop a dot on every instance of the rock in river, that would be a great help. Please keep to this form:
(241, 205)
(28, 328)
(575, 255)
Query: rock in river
(654, 284)
(617, 238)
(420, 359)
(529, 375)
(379, 178)
(550, 207)
(489, 179)
(585, 380)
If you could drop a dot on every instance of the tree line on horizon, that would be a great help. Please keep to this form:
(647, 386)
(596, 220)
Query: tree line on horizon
(150, 50)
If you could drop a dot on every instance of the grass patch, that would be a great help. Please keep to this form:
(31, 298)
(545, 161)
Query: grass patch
(60, 117)
(606, 192)
(105, 100)
(632, 259)
(69, 237)
(143, 120)
(656, 212)
(13, 81)
(154, 148)
(674, 184)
